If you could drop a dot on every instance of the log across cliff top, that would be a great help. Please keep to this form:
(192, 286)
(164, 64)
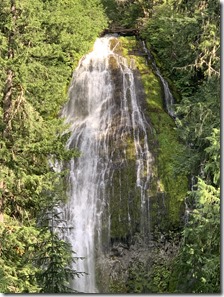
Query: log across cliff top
(120, 31)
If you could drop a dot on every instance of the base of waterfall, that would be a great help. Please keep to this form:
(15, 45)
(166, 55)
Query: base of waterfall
(116, 198)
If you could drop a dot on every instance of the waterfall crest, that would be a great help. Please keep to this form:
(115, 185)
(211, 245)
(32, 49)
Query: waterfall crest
(104, 115)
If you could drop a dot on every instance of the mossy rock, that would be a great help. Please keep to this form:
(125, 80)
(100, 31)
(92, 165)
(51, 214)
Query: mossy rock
(113, 63)
(169, 148)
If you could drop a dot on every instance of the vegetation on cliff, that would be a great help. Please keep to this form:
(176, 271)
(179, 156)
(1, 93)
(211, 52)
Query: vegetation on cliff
(40, 42)
(192, 61)
(185, 40)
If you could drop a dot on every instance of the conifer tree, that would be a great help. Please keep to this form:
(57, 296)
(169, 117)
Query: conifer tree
(185, 38)
(54, 259)
(40, 41)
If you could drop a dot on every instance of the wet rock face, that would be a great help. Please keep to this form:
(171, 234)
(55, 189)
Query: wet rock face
(132, 268)
(139, 246)
(115, 197)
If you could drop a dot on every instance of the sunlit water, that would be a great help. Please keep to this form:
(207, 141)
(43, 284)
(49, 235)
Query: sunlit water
(96, 116)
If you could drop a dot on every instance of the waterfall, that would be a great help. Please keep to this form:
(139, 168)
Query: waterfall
(168, 97)
(103, 111)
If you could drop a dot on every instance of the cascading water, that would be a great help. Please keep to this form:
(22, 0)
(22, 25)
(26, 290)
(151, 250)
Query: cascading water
(103, 112)
(168, 97)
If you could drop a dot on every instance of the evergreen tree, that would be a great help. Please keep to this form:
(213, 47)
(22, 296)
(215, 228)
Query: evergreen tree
(17, 272)
(55, 257)
(197, 267)
(40, 41)
(185, 37)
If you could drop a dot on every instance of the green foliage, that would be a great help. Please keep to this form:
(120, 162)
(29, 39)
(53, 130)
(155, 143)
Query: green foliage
(193, 54)
(159, 278)
(54, 257)
(129, 13)
(151, 279)
(117, 286)
(191, 59)
(198, 263)
(213, 156)
(169, 150)
(138, 279)
(198, 118)
(17, 272)
(124, 13)
(40, 41)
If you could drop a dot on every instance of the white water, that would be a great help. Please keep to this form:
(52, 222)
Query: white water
(168, 97)
(97, 116)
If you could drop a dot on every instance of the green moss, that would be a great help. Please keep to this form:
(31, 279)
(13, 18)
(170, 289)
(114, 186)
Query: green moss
(171, 84)
(116, 46)
(165, 187)
(128, 44)
(169, 148)
(125, 202)
(113, 63)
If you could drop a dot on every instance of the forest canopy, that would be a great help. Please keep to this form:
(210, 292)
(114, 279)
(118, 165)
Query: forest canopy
(41, 42)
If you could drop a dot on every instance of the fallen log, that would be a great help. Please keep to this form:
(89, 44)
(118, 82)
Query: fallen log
(120, 31)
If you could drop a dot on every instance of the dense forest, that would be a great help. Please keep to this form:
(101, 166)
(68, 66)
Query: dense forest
(41, 42)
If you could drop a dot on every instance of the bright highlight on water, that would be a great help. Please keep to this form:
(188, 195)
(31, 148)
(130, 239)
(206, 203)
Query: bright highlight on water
(100, 112)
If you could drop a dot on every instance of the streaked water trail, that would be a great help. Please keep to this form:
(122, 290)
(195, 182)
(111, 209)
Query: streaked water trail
(100, 112)
(168, 97)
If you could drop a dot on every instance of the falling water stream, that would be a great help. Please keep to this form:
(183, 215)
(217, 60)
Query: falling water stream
(99, 111)
(168, 97)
